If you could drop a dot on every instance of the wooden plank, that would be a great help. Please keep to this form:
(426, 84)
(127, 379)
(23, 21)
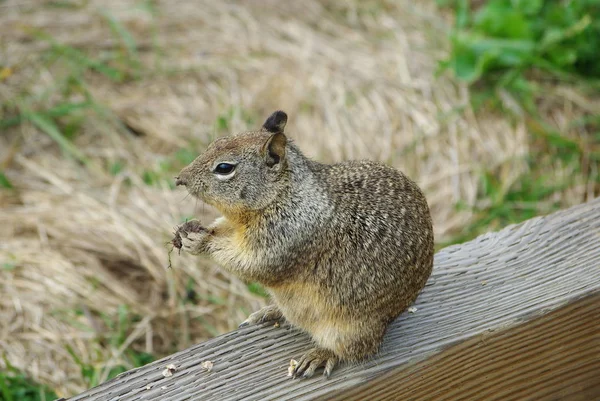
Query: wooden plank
(552, 357)
(502, 317)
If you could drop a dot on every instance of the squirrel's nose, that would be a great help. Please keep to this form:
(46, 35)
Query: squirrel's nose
(184, 177)
(180, 181)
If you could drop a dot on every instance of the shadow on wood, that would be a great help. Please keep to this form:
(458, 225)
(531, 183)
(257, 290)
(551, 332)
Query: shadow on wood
(511, 315)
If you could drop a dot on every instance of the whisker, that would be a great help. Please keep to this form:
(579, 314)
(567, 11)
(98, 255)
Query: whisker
(185, 197)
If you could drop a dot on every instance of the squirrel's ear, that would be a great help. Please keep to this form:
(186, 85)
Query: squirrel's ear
(274, 149)
(276, 122)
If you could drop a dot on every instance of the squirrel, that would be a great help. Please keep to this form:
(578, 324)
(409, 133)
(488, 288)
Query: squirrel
(342, 248)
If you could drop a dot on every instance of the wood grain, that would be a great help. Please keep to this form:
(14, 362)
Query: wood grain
(509, 315)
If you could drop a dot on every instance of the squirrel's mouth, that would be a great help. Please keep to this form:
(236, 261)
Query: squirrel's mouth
(193, 188)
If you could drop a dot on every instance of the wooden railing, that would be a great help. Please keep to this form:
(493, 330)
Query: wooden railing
(512, 315)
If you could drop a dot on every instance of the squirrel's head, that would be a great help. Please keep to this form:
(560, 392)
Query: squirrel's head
(243, 172)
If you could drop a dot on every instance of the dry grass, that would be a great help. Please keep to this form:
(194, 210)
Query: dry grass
(357, 81)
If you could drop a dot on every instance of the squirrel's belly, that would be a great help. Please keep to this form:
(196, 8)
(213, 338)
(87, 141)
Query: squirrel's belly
(304, 307)
(334, 334)
(300, 303)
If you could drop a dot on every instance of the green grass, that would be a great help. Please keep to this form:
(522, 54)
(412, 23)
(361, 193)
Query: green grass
(127, 57)
(534, 192)
(53, 111)
(528, 197)
(62, 120)
(4, 181)
(16, 386)
(117, 327)
(507, 46)
(93, 372)
(503, 38)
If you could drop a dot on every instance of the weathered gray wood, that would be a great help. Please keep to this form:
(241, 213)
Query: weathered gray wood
(493, 284)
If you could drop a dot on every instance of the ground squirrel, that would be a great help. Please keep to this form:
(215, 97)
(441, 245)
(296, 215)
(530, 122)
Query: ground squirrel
(343, 249)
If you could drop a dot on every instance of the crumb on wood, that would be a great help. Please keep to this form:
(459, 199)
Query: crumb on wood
(292, 367)
(169, 370)
(207, 365)
(412, 309)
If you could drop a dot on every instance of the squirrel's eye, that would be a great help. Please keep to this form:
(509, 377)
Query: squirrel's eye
(224, 168)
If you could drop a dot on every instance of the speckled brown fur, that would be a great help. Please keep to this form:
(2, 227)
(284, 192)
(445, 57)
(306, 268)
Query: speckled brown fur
(343, 249)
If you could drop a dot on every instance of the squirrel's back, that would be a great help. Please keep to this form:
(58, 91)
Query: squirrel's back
(380, 233)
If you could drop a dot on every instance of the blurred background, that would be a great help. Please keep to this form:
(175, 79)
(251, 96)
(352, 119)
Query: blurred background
(493, 107)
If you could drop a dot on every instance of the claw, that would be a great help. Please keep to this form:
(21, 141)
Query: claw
(300, 367)
(329, 367)
(312, 360)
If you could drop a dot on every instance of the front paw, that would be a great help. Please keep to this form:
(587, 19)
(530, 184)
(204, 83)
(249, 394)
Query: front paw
(269, 313)
(191, 237)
